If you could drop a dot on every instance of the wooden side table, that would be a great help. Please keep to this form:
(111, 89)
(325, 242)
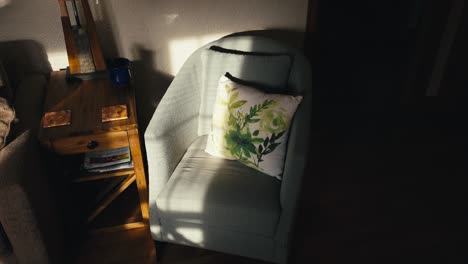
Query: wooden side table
(88, 133)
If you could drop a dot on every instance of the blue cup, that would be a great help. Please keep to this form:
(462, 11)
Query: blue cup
(119, 69)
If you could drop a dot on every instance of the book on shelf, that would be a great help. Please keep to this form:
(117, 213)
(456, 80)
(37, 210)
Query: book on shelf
(106, 158)
(121, 166)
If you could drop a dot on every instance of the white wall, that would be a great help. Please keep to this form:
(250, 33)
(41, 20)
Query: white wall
(37, 20)
(169, 29)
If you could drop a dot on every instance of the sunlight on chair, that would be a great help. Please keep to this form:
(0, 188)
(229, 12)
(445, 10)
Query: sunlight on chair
(181, 49)
(192, 234)
(57, 59)
(188, 210)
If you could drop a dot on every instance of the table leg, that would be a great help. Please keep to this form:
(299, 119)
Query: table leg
(135, 148)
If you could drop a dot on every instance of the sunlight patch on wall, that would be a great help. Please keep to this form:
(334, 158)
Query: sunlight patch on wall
(181, 49)
(58, 60)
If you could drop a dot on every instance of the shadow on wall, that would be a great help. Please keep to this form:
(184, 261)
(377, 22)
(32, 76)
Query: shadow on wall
(103, 21)
(151, 84)
(22, 57)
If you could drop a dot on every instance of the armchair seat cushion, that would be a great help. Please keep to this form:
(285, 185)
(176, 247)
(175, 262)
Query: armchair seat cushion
(219, 193)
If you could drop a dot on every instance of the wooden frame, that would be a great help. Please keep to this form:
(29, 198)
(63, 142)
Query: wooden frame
(425, 64)
(90, 28)
(310, 42)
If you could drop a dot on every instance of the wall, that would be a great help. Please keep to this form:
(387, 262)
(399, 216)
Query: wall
(157, 34)
(171, 29)
(37, 20)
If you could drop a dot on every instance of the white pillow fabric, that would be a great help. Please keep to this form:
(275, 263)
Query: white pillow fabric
(251, 126)
(7, 116)
(269, 71)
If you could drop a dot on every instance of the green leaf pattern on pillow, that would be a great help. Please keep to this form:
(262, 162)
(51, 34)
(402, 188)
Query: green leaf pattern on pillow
(251, 126)
(248, 146)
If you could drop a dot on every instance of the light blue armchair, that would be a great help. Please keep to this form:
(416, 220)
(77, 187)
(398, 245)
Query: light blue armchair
(218, 204)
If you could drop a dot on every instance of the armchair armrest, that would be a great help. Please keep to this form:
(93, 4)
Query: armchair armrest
(172, 128)
(27, 212)
(296, 159)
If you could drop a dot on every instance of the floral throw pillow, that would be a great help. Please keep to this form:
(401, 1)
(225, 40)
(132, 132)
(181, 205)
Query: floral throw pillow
(251, 126)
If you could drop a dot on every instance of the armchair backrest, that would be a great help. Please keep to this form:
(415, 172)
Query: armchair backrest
(298, 83)
(283, 61)
(23, 57)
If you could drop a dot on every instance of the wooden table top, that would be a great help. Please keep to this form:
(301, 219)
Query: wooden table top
(85, 98)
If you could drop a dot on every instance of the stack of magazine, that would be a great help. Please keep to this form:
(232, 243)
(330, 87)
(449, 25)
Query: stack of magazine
(108, 160)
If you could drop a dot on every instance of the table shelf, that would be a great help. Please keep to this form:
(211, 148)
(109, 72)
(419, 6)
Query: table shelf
(92, 176)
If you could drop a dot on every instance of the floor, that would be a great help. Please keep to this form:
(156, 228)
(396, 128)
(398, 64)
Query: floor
(177, 254)
(136, 246)
(385, 187)
(123, 247)
(380, 189)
